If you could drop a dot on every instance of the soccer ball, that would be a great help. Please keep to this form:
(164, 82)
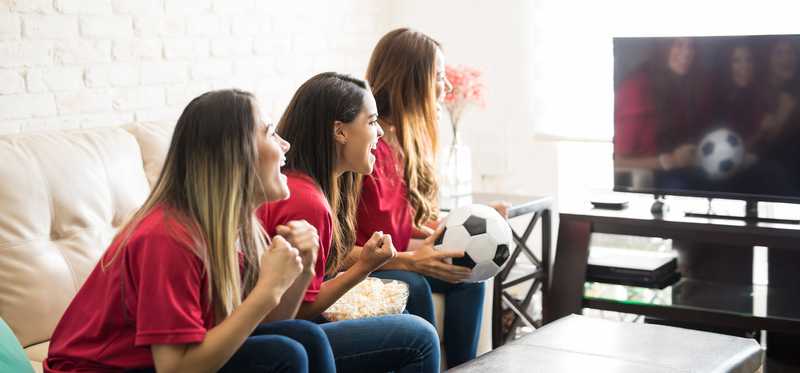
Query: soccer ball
(720, 154)
(484, 236)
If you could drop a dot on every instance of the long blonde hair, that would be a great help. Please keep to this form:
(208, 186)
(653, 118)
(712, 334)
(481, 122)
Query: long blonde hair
(402, 75)
(209, 186)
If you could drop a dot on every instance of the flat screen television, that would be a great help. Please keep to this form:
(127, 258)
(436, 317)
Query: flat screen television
(715, 117)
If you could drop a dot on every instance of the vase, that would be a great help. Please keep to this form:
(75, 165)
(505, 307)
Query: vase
(455, 173)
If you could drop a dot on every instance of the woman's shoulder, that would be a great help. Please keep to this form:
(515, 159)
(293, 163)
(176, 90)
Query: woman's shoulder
(159, 233)
(637, 79)
(163, 227)
(305, 197)
(301, 182)
(633, 93)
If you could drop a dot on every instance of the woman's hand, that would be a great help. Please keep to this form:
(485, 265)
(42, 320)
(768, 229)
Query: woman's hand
(422, 232)
(683, 156)
(430, 262)
(280, 266)
(304, 237)
(501, 207)
(376, 252)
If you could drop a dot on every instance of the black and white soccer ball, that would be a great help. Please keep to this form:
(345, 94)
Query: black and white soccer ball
(720, 154)
(484, 236)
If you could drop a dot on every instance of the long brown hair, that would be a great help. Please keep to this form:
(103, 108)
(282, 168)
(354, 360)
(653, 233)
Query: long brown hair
(402, 74)
(307, 124)
(680, 102)
(209, 185)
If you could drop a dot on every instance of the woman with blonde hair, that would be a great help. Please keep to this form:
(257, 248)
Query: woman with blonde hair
(188, 280)
(407, 76)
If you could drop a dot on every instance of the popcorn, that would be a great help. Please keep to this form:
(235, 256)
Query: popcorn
(371, 297)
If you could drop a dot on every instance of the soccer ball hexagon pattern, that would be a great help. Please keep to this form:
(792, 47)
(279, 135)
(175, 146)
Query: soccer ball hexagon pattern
(484, 236)
(720, 154)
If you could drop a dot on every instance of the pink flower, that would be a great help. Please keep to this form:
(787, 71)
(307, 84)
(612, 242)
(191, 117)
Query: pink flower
(468, 90)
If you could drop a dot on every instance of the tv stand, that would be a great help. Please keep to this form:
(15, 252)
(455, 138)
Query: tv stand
(750, 216)
(706, 300)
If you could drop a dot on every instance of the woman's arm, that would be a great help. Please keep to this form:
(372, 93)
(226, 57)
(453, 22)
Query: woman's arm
(376, 252)
(223, 340)
(304, 237)
(220, 343)
(289, 304)
(422, 258)
(682, 156)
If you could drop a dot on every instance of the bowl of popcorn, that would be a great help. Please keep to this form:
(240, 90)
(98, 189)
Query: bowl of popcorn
(370, 298)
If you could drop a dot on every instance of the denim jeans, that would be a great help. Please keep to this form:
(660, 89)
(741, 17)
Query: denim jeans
(462, 314)
(282, 346)
(399, 343)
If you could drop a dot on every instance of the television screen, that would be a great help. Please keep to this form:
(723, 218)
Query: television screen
(708, 116)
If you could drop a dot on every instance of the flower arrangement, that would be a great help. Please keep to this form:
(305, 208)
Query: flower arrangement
(456, 170)
(468, 90)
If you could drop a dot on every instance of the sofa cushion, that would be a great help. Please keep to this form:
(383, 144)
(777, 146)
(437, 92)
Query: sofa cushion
(12, 358)
(154, 139)
(64, 195)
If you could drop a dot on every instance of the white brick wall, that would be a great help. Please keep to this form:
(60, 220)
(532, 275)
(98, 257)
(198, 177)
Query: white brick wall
(86, 63)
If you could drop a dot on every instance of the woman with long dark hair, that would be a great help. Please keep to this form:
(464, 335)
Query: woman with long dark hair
(188, 280)
(332, 124)
(661, 110)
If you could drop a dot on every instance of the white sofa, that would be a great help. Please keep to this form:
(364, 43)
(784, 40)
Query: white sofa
(64, 194)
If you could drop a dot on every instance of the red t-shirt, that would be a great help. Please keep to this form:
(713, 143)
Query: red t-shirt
(153, 292)
(383, 204)
(306, 202)
(639, 128)
(635, 118)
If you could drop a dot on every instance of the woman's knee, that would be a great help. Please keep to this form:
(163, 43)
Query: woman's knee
(418, 329)
(306, 332)
(275, 351)
(312, 333)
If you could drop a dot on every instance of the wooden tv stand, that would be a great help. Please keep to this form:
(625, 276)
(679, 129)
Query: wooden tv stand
(689, 300)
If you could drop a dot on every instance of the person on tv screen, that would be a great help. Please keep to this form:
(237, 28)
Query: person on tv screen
(780, 92)
(736, 99)
(661, 109)
(740, 105)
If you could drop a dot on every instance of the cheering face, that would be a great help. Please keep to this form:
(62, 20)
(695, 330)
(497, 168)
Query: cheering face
(680, 56)
(783, 61)
(271, 150)
(742, 66)
(442, 84)
(360, 138)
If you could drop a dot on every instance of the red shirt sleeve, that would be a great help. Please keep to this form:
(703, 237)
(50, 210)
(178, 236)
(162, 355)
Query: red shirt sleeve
(306, 202)
(634, 118)
(166, 279)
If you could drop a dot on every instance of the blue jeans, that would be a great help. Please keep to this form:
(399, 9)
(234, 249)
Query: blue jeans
(399, 343)
(281, 346)
(463, 310)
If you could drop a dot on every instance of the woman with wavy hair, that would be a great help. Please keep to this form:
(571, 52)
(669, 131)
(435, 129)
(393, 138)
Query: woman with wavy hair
(189, 279)
(332, 123)
(407, 75)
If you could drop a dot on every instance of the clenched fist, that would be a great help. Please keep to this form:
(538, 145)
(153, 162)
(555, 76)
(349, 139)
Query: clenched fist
(304, 237)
